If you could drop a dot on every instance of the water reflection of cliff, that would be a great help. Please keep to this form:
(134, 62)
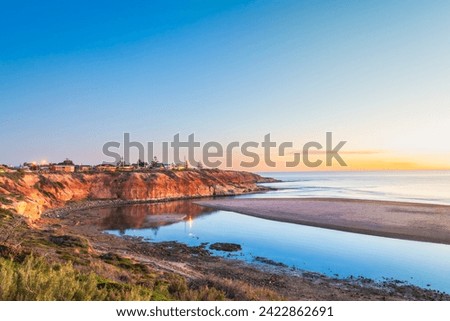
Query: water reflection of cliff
(150, 216)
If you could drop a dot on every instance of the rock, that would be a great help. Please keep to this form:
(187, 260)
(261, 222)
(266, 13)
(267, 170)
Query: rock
(226, 247)
(269, 261)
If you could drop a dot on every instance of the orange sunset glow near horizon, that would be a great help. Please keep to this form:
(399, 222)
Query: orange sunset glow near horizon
(382, 161)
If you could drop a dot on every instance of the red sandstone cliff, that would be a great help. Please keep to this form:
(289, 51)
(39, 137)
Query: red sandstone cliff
(30, 194)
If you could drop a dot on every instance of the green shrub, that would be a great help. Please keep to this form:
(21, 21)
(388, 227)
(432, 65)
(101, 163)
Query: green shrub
(37, 280)
(69, 241)
(15, 176)
(5, 200)
(4, 213)
(124, 263)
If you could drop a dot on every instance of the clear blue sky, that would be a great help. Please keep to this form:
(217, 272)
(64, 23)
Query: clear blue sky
(76, 74)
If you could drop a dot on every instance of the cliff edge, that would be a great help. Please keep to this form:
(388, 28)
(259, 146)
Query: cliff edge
(31, 194)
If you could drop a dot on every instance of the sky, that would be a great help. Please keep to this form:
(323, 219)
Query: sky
(75, 75)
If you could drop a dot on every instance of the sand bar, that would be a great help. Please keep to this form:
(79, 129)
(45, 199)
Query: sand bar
(411, 221)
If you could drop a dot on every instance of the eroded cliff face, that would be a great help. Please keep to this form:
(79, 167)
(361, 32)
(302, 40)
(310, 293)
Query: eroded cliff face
(31, 194)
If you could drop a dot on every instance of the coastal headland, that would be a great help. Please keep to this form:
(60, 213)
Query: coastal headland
(31, 194)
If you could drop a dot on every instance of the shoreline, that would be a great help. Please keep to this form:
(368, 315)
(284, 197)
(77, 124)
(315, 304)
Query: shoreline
(400, 220)
(196, 264)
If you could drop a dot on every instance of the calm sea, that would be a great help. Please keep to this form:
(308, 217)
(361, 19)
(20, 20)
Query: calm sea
(407, 186)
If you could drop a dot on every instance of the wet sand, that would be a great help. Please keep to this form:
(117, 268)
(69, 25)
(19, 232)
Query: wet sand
(411, 221)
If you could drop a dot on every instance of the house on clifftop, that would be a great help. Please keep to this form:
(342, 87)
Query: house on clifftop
(105, 168)
(66, 166)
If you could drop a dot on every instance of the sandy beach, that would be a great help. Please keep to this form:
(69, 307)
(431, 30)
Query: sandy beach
(411, 221)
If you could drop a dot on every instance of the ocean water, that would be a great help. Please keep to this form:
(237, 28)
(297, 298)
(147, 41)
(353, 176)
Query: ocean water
(432, 187)
(333, 253)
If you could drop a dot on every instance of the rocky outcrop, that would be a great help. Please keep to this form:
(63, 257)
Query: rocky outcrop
(30, 194)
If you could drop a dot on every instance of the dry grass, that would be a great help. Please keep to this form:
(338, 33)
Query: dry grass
(238, 290)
